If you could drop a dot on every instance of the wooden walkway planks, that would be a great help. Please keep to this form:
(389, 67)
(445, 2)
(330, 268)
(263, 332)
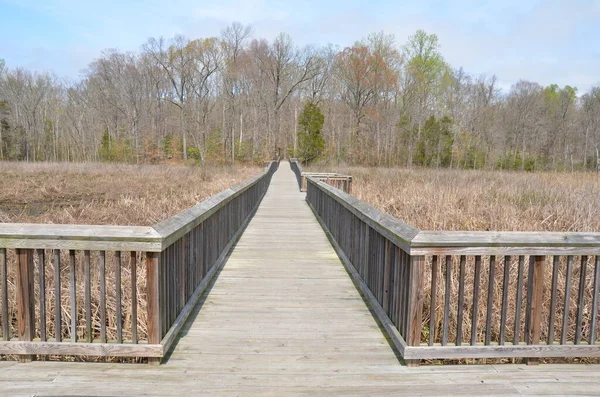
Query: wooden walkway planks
(283, 318)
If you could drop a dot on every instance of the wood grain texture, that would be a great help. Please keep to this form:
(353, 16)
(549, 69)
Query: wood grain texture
(25, 298)
(78, 237)
(4, 296)
(82, 348)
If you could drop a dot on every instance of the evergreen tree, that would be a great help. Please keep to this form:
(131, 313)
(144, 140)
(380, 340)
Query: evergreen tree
(310, 141)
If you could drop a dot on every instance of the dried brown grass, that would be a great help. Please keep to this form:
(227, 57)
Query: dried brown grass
(431, 199)
(108, 194)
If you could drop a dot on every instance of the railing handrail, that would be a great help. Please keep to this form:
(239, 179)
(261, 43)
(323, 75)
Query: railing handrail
(325, 174)
(422, 242)
(112, 237)
(397, 231)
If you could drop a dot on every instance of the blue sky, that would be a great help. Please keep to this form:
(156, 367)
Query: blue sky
(553, 41)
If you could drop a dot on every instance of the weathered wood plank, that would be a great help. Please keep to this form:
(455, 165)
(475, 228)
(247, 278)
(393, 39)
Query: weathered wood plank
(118, 300)
(102, 287)
(73, 294)
(87, 296)
(553, 297)
(25, 298)
(78, 237)
(461, 300)
(57, 297)
(475, 312)
(490, 300)
(484, 351)
(4, 297)
(134, 299)
(519, 300)
(447, 286)
(567, 301)
(433, 303)
(596, 292)
(81, 349)
(42, 294)
(580, 302)
(504, 309)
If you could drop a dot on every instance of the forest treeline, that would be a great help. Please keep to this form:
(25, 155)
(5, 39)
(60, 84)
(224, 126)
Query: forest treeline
(238, 98)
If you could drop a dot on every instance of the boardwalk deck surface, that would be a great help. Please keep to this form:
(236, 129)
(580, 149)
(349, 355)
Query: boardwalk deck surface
(283, 318)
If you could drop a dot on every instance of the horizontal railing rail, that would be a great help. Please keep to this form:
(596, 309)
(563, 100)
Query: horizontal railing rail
(62, 286)
(462, 295)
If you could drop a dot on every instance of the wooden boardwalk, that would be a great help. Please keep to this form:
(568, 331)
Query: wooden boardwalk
(284, 318)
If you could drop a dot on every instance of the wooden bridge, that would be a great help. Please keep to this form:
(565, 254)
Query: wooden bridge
(277, 313)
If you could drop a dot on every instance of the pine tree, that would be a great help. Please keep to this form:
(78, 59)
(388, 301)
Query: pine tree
(311, 143)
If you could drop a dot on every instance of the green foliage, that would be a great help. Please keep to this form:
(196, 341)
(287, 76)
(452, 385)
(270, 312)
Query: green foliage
(426, 65)
(215, 151)
(106, 152)
(435, 146)
(243, 150)
(311, 143)
(517, 161)
(194, 154)
(111, 149)
(167, 146)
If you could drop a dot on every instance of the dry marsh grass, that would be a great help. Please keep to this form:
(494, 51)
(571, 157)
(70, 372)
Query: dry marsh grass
(108, 194)
(431, 199)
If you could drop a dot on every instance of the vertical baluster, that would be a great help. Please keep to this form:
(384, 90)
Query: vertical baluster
(119, 319)
(153, 292)
(596, 292)
(461, 300)
(133, 264)
(73, 290)
(433, 305)
(395, 284)
(553, 293)
(505, 283)
(519, 300)
(567, 301)
(415, 280)
(490, 301)
(476, 282)
(88, 296)
(386, 273)
(57, 294)
(102, 283)
(447, 300)
(580, 306)
(4, 286)
(42, 281)
(25, 299)
(534, 310)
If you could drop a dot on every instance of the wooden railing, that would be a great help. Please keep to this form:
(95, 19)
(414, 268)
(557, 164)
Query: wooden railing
(340, 181)
(297, 169)
(459, 295)
(62, 286)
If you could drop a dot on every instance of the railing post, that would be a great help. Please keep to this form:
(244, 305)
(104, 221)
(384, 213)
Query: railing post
(534, 311)
(153, 278)
(416, 273)
(25, 299)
